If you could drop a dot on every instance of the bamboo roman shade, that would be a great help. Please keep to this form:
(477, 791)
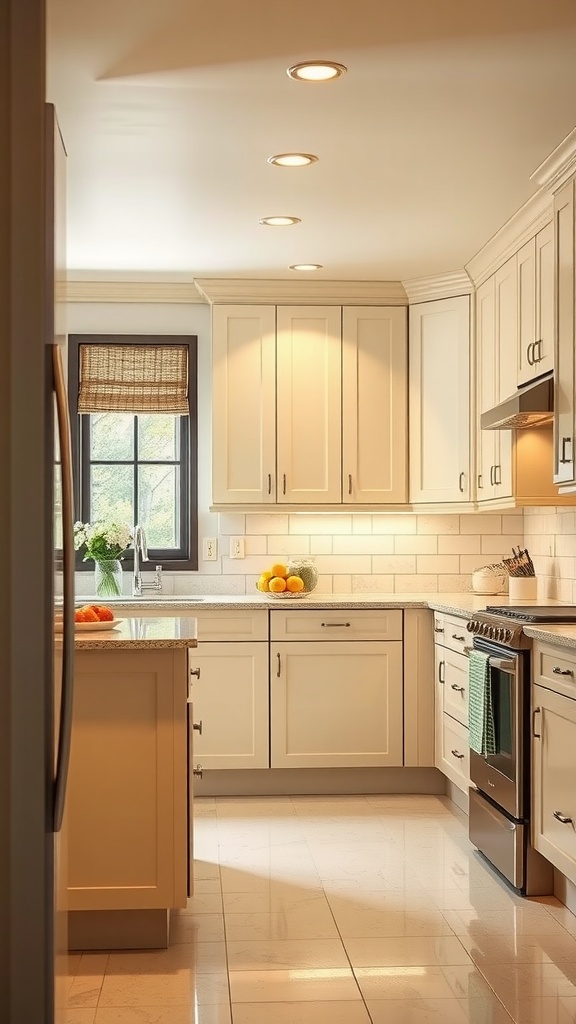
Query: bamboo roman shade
(134, 378)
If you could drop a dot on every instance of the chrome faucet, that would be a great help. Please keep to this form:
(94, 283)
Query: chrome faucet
(141, 552)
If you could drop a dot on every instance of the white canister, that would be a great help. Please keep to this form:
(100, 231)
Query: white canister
(522, 588)
(488, 581)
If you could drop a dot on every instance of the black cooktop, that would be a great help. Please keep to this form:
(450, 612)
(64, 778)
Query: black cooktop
(535, 613)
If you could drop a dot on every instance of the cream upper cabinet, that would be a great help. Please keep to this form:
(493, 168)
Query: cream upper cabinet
(244, 404)
(493, 447)
(309, 404)
(374, 405)
(506, 328)
(439, 367)
(536, 306)
(565, 387)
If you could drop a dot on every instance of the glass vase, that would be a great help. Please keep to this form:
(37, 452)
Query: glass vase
(108, 577)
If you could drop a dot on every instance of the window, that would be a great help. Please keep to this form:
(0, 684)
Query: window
(138, 467)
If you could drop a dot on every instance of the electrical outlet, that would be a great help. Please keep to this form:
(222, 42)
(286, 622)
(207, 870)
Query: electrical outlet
(210, 549)
(236, 547)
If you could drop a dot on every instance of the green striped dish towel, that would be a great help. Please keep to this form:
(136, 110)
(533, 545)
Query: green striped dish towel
(481, 715)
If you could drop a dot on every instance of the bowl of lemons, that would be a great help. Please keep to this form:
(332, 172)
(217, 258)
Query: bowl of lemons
(289, 580)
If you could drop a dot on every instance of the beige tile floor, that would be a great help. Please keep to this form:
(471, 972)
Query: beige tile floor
(340, 910)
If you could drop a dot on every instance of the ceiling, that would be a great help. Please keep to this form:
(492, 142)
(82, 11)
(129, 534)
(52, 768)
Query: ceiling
(170, 109)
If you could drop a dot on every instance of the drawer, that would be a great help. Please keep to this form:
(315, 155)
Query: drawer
(332, 624)
(555, 668)
(455, 676)
(454, 752)
(220, 624)
(455, 636)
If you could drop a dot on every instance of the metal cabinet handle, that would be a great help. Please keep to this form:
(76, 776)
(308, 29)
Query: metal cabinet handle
(539, 345)
(562, 671)
(562, 817)
(438, 629)
(461, 639)
(198, 727)
(565, 441)
(536, 735)
(279, 666)
(198, 770)
(498, 478)
(349, 483)
(195, 672)
(441, 678)
(492, 480)
(461, 480)
(459, 689)
(530, 353)
(480, 485)
(269, 483)
(327, 625)
(284, 483)
(456, 753)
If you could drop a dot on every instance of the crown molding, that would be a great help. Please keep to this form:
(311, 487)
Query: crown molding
(557, 168)
(130, 291)
(535, 214)
(345, 293)
(438, 286)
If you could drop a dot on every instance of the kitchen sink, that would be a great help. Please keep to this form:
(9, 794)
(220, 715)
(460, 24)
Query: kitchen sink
(129, 599)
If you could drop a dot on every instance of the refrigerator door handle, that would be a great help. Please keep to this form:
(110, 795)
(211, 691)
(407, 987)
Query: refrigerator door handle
(65, 724)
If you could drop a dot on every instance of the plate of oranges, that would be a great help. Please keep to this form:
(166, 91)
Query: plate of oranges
(280, 583)
(90, 618)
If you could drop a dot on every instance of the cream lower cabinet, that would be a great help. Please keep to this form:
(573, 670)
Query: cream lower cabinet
(127, 802)
(439, 399)
(230, 689)
(451, 688)
(336, 688)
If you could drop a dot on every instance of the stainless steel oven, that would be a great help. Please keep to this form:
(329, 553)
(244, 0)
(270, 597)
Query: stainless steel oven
(499, 821)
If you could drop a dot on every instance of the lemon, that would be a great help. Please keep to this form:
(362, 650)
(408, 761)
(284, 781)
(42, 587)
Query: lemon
(263, 582)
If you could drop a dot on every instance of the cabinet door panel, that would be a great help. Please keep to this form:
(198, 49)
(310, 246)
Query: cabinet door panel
(554, 794)
(336, 705)
(545, 299)
(506, 303)
(564, 363)
(231, 700)
(374, 405)
(243, 409)
(527, 312)
(486, 457)
(309, 395)
(440, 400)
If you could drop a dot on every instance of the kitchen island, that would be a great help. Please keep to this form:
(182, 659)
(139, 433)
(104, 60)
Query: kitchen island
(129, 798)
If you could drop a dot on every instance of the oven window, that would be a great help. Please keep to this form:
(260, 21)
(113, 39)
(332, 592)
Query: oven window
(502, 705)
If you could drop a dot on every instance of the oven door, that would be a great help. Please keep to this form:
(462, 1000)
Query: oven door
(503, 776)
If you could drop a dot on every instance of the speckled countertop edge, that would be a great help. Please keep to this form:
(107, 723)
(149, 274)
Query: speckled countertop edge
(560, 635)
(146, 632)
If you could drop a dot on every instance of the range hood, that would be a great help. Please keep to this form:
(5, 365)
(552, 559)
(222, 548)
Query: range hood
(530, 406)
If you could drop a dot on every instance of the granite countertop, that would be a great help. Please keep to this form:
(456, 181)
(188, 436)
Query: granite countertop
(145, 632)
(561, 635)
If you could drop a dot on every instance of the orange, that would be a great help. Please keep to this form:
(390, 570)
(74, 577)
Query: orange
(277, 585)
(79, 615)
(294, 584)
(104, 613)
(280, 570)
(89, 614)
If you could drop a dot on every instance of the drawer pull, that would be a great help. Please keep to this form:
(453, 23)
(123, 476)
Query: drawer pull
(458, 689)
(438, 629)
(349, 483)
(441, 678)
(456, 753)
(536, 735)
(269, 483)
(339, 625)
(198, 770)
(562, 671)
(279, 666)
(195, 672)
(562, 817)
(461, 639)
(198, 727)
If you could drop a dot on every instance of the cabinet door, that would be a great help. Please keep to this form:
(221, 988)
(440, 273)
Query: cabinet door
(309, 404)
(493, 447)
(336, 705)
(231, 700)
(564, 363)
(544, 351)
(439, 399)
(374, 405)
(553, 771)
(506, 316)
(243, 404)
(527, 312)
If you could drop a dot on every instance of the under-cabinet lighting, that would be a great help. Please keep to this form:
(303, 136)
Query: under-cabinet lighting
(306, 266)
(316, 71)
(279, 222)
(292, 159)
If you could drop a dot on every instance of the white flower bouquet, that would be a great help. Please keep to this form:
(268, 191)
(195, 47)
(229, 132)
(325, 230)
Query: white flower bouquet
(103, 541)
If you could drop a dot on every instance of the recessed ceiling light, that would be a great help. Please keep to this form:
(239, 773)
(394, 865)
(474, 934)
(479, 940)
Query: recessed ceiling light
(306, 266)
(292, 159)
(279, 222)
(316, 71)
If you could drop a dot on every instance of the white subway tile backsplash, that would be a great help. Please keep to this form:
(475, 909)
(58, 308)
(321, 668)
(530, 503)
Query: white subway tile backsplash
(320, 544)
(376, 583)
(512, 524)
(342, 584)
(343, 563)
(481, 523)
(418, 584)
(461, 584)
(394, 564)
(496, 544)
(362, 524)
(394, 524)
(266, 524)
(468, 563)
(233, 524)
(362, 545)
(332, 524)
(439, 524)
(461, 544)
(416, 544)
(438, 563)
(252, 545)
(288, 544)
(565, 544)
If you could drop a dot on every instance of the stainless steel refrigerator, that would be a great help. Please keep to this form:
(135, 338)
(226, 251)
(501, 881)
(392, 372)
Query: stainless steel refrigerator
(37, 563)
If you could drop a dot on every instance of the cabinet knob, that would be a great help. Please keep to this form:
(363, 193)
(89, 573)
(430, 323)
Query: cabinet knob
(198, 770)
(562, 817)
(198, 727)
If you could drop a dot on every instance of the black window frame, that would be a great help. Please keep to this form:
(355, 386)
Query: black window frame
(187, 559)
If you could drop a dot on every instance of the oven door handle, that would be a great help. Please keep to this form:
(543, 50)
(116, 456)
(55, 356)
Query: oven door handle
(504, 664)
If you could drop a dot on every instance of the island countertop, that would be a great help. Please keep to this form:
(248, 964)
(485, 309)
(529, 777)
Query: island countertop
(142, 632)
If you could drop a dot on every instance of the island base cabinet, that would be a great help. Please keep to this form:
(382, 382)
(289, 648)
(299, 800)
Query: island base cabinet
(127, 798)
(554, 793)
(229, 686)
(336, 704)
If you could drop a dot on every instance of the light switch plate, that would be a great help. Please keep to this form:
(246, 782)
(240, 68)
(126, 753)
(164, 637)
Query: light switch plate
(236, 547)
(210, 549)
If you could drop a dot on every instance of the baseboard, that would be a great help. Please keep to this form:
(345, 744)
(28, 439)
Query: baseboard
(565, 890)
(319, 781)
(118, 929)
(457, 796)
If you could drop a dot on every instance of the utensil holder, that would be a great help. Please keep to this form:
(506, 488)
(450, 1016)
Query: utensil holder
(522, 588)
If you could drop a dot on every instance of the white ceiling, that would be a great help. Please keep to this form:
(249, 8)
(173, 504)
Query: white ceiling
(170, 108)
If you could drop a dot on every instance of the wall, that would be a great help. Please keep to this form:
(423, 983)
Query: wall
(550, 536)
(402, 553)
